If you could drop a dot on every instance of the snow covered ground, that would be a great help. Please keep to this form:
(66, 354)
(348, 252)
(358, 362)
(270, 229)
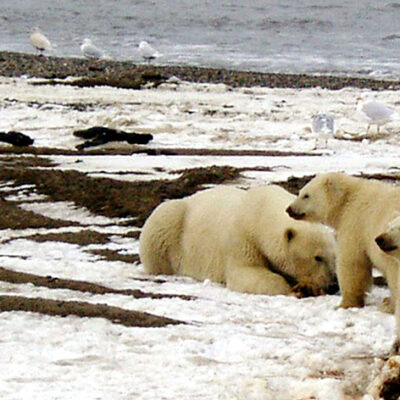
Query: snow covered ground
(234, 346)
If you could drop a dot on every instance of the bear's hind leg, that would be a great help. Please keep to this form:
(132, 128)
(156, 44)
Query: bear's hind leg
(390, 268)
(159, 243)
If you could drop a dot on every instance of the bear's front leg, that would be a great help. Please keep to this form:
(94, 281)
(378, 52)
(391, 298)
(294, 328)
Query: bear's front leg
(256, 279)
(354, 272)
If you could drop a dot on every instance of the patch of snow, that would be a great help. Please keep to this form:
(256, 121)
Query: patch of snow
(69, 212)
(234, 346)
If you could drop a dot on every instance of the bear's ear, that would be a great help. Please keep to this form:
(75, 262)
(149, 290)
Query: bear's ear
(332, 184)
(290, 234)
(328, 183)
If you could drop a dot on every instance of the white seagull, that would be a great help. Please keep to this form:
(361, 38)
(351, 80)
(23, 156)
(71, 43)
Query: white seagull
(378, 113)
(323, 127)
(39, 41)
(147, 52)
(89, 50)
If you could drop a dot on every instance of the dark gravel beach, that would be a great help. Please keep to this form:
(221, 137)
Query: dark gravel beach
(129, 75)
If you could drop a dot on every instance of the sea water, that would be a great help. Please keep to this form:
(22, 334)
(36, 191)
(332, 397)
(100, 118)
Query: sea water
(311, 36)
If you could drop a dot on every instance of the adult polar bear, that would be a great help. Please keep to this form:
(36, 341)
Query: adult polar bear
(359, 210)
(241, 238)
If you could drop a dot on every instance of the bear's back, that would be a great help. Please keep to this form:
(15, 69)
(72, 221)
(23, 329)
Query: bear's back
(207, 228)
(268, 205)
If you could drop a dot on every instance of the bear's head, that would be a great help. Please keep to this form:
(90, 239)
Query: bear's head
(311, 250)
(389, 240)
(318, 200)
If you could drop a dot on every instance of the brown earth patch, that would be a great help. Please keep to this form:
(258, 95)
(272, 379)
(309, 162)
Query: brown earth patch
(133, 234)
(134, 149)
(113, 255)
(115, 199)
(82, 309)
(83, 238)
(13, 217)
(50, 282)
(24, 161)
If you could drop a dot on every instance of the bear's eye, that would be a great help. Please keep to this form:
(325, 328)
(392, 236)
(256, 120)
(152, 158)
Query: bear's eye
(306, 196)
(318, 259)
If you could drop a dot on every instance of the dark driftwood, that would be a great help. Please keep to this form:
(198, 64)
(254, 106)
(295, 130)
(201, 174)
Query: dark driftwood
(16, 138)
(99, 135)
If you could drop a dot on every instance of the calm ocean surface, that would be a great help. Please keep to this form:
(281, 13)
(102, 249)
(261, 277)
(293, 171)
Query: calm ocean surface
(325, 36)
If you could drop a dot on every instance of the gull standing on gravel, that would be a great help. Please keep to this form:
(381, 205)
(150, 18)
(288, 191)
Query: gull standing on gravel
(89, 50)
(378, 113)
(39, 41)
(323, 128)
(147, 52)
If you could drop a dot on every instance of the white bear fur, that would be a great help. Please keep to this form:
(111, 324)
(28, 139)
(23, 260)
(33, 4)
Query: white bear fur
(359, 210)
(389, 242)
(240, 238)
(389, 239)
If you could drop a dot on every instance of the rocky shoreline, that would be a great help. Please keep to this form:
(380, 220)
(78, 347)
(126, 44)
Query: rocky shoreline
(126, 74)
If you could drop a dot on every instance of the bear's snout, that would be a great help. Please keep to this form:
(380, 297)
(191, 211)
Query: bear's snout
(296, 215)
(385, 243)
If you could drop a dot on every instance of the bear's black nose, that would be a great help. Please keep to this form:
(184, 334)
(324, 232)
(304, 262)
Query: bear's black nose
(380, 241)
(384, 243)
(294, 214)
(289, 211)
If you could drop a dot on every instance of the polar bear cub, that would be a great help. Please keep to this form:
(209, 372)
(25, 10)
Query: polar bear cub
(359, 210)
(240, 238)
